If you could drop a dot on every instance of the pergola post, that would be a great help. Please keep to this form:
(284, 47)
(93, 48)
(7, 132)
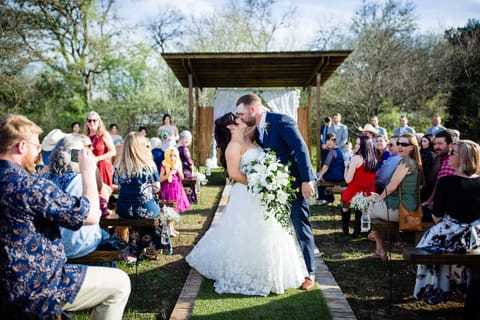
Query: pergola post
(319, 121)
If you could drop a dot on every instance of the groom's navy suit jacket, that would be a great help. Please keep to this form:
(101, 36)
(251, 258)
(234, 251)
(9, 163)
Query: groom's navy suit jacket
(282, 136)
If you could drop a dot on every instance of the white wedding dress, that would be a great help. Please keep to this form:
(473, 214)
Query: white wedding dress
(246, 254)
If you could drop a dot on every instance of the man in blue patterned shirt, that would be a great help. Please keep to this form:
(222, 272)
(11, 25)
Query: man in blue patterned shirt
(35, 280)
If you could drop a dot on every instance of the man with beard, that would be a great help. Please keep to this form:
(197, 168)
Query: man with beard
(35, 280)
(442, 144)
(280, 134)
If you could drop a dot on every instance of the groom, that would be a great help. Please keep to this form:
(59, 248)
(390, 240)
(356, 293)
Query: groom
(279, 133)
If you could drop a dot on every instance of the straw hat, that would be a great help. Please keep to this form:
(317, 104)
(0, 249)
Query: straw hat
(369, 128)
(51, 139)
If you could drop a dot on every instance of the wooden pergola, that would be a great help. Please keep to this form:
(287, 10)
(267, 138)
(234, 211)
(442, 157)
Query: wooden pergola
(305, 69)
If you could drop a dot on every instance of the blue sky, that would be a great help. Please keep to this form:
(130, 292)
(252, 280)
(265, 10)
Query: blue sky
(433, 15)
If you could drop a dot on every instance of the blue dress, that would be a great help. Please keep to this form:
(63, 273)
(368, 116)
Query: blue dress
(135, 196)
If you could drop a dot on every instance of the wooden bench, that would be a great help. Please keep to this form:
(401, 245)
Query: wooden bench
(115, 220)
(101, 256)
(392, 229)
(420, 256)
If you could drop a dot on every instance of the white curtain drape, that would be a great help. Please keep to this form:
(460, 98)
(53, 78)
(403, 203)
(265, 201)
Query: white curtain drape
(281, 101)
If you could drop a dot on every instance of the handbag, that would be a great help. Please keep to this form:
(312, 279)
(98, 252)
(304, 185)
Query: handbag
(409, 220)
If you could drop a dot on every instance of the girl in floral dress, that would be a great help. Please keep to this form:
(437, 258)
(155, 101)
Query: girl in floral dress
(171, 176)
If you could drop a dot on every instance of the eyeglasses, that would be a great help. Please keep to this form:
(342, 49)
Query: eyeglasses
(38, 146)
(403, 144)
(453, 152)
(92, 120)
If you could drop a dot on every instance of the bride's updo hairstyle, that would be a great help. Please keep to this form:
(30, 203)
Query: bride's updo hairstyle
(223, 135)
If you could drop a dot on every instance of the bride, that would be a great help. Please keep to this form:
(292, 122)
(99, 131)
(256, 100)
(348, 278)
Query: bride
(243, 252)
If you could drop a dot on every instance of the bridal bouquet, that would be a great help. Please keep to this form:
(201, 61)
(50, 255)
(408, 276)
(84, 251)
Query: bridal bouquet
(269, 180)
(360, 201)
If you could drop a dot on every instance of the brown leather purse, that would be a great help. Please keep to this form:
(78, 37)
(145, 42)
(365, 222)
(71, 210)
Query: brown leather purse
(409, 220)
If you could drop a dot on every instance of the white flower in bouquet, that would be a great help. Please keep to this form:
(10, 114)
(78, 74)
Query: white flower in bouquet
(171, 214)
(269, 180)
(360, 201)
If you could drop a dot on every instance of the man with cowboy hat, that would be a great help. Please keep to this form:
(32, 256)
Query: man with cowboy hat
(369, 131)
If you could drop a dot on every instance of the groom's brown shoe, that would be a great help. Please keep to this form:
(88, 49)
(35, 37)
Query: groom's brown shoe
(309, 283)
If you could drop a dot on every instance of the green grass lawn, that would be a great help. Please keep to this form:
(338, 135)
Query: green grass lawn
(293, 304)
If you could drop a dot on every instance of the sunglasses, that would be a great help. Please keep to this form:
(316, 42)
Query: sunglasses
(391, 144)
(403, 144)
(92, 120)
(453, 152)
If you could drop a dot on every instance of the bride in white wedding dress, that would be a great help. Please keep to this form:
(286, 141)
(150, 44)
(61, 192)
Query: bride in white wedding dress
(243, 252)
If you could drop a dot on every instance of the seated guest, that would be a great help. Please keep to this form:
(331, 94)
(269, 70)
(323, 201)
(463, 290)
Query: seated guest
(137, 178)
(389, 165)
(456, 212)
(49, 142)
(407, 179)
(428, 156)
(381, 150)
(35, 280)
(332, 170)
(187, 162)
(360, 177)
(65, 172)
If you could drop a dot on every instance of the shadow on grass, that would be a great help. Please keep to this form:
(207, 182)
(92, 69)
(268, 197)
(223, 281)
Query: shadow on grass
(294, 304)
(374, 289)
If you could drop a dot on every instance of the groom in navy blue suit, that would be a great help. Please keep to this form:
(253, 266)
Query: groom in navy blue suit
(279, 133)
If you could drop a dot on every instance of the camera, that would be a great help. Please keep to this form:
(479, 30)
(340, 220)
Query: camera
(74, 155)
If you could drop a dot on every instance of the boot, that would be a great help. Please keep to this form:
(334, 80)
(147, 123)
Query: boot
(356, 228)
(345, 221)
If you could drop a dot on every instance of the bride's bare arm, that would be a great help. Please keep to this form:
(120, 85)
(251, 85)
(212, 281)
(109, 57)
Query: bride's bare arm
(233, 155)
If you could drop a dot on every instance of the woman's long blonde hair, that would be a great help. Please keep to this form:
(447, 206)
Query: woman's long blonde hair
(135, 157)
(412, 139)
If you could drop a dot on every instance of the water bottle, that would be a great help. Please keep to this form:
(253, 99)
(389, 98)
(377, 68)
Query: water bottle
(365, 221)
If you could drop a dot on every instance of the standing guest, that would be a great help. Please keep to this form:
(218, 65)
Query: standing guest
(75, 128)
(332, 170)
(381, 131)
(436, 126)
(116, 138)
(406, 179)
(404, 128)
(143, 131)
(102, 144)
(187, 162)
(171, 176)
(360, 177)
(340, 130)
(35, 280)
(169, 126)
(323, 137)
(138, 180)
(457, 216)
(49, 142)
(65, 173)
